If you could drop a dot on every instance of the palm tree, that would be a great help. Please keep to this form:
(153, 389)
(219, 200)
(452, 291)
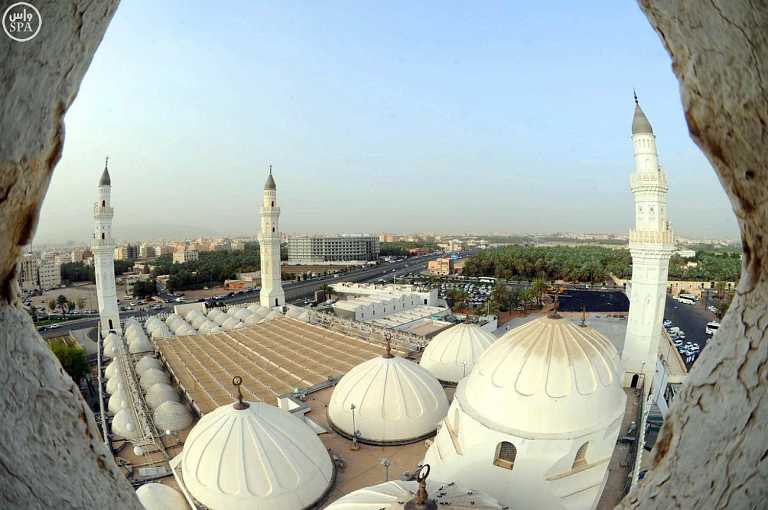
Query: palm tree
(538, 286)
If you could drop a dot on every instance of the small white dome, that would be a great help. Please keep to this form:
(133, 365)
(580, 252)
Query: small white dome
(146, 363)
(396, 401)
(394, 495)
(161, 332)
(254, 319)
(184, 330)
(221, 318)
(152, 376)
(140, 344)
(258, 458)
(124, 424)
(116, 402)
(172, 318)
(451, 355)
(173, 416)
(214, 312)
(110, 345)
(304, 317)
(198, 320)
(294, 311)
(160, 393)
(243, 314)
(230, 323)
(274, 314)
(192, 314)
(567, 373)
(112, 369)
(114, 383)
(257, 308)
(156, 496)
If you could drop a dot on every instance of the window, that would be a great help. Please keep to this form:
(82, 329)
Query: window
(635, 379)
(276, 303)
(505, 455)
(273, 203)
(102, 235)
(581, 456)
(110, 325)
(103, 203)
(273, 229)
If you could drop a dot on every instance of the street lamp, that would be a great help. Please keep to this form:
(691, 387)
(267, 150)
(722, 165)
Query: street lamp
(386, 463)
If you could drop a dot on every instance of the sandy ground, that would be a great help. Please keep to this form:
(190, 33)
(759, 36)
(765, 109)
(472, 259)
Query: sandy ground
(192, 295)
(78, 290)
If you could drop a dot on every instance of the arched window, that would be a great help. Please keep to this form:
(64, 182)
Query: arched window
(273, 229)
(505, 455)
(103, 203)
(581, 456)
(102, 235)
(635, 379)
(273, 203)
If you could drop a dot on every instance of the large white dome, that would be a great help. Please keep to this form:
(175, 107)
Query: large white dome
(172, 416)
(124, 424)
(396, 401)
(394, 495)
(550, 377)
(451, 355)
(258, 458)
(147, 362)
(156, 496)
(160, 393)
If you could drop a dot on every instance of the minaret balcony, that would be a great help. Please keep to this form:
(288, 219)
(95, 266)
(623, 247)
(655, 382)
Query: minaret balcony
(651, 237)
(648, 180)
(102, 243)
(103, 211)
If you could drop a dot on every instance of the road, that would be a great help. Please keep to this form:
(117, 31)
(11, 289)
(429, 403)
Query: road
(293, 290)
(690, 318)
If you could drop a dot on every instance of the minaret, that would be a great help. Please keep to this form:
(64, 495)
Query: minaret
(103, 257)
(269, 243)
(651, 244)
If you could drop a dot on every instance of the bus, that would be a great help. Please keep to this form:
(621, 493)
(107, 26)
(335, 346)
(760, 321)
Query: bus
(687, 300)
(712, 327)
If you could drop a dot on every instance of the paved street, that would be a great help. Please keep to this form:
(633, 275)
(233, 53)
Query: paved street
(690, 318)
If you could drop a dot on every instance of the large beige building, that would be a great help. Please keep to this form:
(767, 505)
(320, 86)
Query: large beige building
(184, 256)
(440, 267)
(345, 249)
(28, 272)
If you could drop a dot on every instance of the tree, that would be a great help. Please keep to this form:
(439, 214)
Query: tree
(456, 298)
(144, 288)
(538, 287)
(62, 302)
(51, 304)
(72, 359)
(81, 302)
(501, 298)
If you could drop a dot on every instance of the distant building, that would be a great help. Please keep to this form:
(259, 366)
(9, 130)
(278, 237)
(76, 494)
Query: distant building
(127, 252)
(131, 280)
(415, 252)
(28, 272)
(50, 272)
(162, 249)
(440, 267)
(78, 254)
(184, 256)
(386, 238)
(316, 249)
(686, 254)
(146, 251)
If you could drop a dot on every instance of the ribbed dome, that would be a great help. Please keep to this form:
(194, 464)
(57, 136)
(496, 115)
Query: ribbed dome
(213, 313)
(221, 318)
(549, 376)
(198, 320)
(124, 424)
(258, 458)
(140, 344)
(270, 184)
(115, 383)
(146, 363)
(396, 401)
(116, 402)
(230, 323)
(451, 355)
(640, 122)
(394, 494)
(257, 308)
(173, 416)
(243, 314)
(160, 393)
(156, 496)
(152, 376)
(112, 369)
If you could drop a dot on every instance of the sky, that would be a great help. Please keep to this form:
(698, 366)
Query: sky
(488, 117)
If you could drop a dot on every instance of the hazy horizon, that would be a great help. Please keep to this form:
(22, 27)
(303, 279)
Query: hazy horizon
(399, 118)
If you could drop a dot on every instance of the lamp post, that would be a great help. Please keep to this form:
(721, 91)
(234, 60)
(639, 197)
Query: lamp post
(355, 446)
(386, 463)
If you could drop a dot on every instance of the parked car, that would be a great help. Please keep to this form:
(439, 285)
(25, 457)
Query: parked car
(667, 323)
(712, 308)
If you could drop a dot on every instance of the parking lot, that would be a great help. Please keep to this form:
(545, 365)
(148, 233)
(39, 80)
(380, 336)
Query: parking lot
(602, 300)
(692, 319)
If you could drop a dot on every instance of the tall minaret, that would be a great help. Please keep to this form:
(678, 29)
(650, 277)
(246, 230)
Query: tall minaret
(103, 257)
(269, 243)
(651, 244)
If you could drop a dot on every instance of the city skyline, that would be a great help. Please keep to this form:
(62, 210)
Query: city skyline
(472, 129)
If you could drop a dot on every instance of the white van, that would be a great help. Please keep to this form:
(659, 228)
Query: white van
(712, 327)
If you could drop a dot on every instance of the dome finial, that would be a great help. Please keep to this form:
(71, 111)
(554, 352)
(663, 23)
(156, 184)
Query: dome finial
(421, 501)
(388, 343)
(239, 405)
(634, 93)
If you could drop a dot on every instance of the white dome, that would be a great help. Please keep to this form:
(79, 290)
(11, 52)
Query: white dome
(192, 314)
(184, 330)
(112, 369)
(124, 424)
(243, 314)
(152, 376)
(396, 401)
(116, 402)
(451, 355)
(160, 393)
(258, 458)
(549, 376)
(221, 318)
(156, 496)
(394, 495)
(146, 363)
(304, 317)
(230, 323)
(115, 383)
(198, 320)
(161, 332)
(110, 345)
(140, 344)
(173, 416)
(294, 311)
(172, 318)
(274, 314)
(257, 308)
